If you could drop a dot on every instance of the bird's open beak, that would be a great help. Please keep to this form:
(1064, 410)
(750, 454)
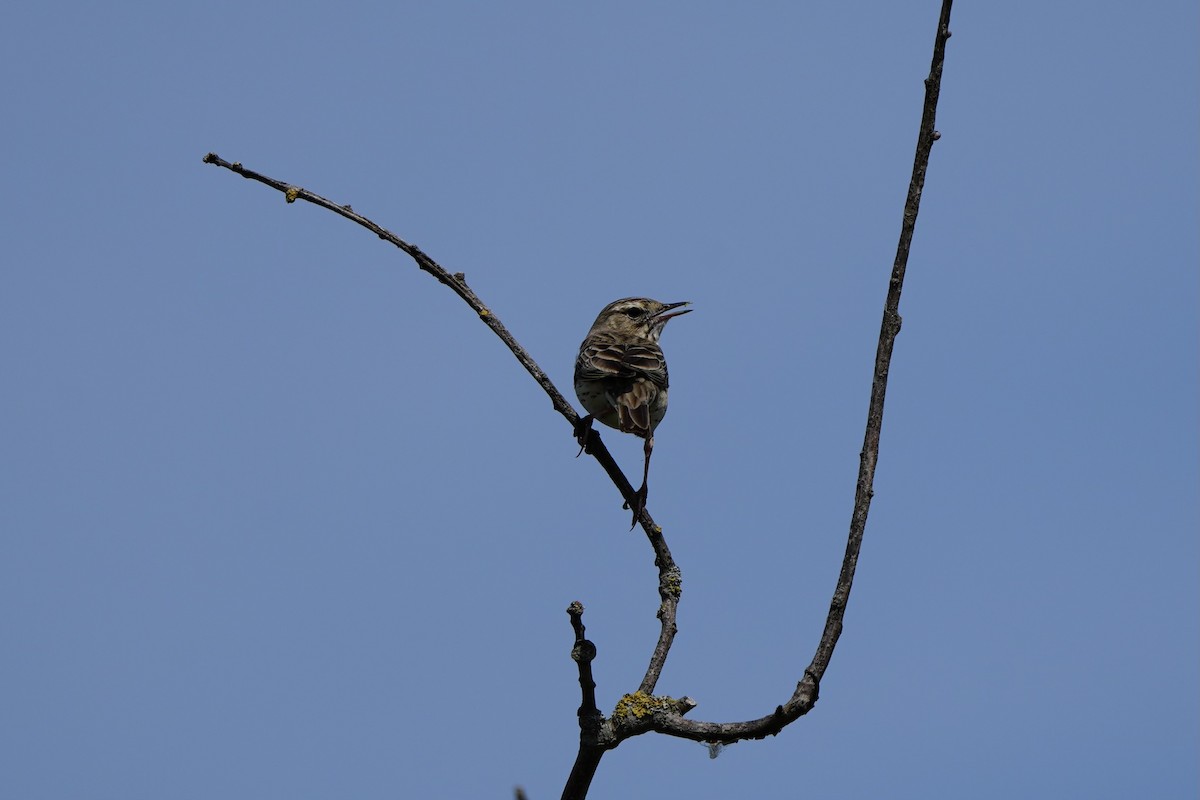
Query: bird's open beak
(663, 316)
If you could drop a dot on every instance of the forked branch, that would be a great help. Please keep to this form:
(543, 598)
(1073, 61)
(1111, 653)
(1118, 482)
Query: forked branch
(642, 711)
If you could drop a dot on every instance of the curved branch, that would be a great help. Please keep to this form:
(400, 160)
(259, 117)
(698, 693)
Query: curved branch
(643, 712)
(457, 283)
(669, 582)
(883, 355)
(665, 715)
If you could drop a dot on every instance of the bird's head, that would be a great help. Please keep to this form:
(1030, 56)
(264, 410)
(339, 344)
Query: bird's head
(638, 317)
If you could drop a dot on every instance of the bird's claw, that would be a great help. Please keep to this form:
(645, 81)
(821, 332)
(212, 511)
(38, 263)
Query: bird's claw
(583, 430)
(636, 504)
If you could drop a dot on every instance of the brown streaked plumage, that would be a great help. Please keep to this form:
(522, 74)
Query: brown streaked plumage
(621, 373)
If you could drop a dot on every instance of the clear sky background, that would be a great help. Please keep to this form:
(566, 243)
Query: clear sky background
(280, 519)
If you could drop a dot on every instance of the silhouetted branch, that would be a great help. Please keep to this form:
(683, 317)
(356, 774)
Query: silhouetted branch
(582, 654)
(643, 711)
(661, 717)
(590, 718)
(669, 581)
(883, 356)
(668, 573)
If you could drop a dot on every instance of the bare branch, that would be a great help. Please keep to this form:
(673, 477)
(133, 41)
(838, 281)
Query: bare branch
(642, 711)
(669, 581)
(664, 714)
(583, 653)
(590, 719)
(883, 357)
(456, 282)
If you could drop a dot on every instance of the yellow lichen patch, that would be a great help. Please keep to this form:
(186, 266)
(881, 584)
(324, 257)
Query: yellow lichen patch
(292, 193)
(640, 704)
(673, 583)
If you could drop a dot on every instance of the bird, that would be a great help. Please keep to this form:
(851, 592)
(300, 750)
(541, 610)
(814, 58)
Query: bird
(621, 375)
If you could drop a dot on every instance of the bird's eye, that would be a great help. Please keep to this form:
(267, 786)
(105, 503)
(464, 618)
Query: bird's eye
(633, 313)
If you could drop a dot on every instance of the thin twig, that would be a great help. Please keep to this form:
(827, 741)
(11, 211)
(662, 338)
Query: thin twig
(456, 282)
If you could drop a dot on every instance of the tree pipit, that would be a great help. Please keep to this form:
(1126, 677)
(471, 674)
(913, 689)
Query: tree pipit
(621, 375)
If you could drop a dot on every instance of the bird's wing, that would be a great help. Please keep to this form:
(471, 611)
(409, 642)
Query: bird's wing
(605, 358)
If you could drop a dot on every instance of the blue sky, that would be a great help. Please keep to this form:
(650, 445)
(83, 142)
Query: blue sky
(281, 519)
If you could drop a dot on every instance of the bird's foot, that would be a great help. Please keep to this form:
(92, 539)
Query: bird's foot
(583, 431)
(637, 505)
